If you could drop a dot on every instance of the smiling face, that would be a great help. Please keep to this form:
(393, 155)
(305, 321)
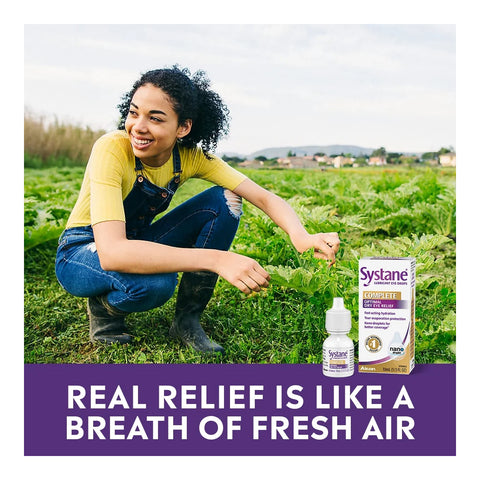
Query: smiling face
(152, 125)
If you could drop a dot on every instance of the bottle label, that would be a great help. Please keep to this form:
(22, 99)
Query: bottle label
(338, 361)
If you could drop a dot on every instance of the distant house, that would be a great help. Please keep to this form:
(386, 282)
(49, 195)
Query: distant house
(377, 161)
(284, 162)
(341, 161)
(251, 164)
(307, 161)
(448, 159)
(323, 159)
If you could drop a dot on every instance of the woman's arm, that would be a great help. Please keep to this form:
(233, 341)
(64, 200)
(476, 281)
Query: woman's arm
(120, 254)
(326, 245)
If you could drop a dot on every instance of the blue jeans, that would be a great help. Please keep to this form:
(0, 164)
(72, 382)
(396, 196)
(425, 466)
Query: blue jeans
(204, 221)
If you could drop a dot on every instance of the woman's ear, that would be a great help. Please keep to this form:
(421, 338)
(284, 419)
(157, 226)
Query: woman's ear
(184, 129)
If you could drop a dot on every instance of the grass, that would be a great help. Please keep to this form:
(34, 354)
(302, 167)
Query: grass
(380, 211)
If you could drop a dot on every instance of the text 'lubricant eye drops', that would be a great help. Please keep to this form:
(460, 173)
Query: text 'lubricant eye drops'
(338, 350)
(386, 317)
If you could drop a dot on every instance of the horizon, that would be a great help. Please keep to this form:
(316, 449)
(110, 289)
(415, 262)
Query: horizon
(329, 146)
(54, 118)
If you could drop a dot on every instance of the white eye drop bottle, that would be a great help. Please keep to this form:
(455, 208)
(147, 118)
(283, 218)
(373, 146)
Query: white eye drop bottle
(338, 349)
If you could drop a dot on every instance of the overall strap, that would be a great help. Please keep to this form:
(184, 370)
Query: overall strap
(138, 166)
(177, 164)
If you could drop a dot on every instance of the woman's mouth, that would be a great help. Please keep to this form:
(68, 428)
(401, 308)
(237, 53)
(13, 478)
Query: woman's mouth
(140, 142)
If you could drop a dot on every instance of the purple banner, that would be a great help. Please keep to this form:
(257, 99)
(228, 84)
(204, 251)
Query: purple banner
(236, 410)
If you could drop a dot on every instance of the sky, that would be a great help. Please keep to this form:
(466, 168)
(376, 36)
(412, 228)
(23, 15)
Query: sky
(390, 85)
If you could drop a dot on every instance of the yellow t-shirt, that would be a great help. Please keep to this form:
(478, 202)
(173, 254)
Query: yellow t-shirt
(110, 176)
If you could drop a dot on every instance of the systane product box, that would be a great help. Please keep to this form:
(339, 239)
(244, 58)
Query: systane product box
(386, 317)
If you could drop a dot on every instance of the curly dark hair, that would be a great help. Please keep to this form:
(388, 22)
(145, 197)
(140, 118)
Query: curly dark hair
(191, 98)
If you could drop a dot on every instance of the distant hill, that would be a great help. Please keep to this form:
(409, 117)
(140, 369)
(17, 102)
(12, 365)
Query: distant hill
(304, 150)
(311, 150)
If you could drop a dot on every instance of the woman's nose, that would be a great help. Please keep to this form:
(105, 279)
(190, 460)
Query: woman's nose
(140, 125)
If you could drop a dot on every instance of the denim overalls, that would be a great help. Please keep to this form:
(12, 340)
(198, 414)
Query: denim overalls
(203, 221)
(146, 200)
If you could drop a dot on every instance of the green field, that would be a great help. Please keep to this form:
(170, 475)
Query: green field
(386, 212)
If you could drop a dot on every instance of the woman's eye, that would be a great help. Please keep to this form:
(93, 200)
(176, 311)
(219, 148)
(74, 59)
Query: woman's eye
(132, 113)
(156, 119)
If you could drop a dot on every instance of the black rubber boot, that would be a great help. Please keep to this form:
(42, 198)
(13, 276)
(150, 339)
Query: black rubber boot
(107, 323)
(194, 292)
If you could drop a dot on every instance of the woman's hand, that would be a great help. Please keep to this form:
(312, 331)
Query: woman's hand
(242, 272)
(325, 245)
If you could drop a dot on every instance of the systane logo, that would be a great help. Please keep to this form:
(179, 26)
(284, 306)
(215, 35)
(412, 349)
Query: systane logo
(367, 275)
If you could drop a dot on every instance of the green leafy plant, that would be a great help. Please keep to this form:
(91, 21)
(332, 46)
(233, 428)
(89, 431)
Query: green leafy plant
(377, 212)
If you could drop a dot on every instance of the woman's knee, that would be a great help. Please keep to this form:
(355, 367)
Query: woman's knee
(231, 200)
(234, 202)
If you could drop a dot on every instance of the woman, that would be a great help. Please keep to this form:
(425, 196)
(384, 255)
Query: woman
(115, 254)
